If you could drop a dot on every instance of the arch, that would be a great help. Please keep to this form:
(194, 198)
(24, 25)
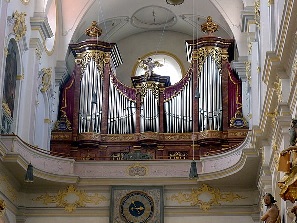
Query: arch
(172, 66)
(11, 88)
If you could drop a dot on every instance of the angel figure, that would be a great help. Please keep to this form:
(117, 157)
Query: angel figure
(149, 66)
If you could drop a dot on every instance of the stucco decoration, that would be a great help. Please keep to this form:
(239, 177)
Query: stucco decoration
(19, 27)
(205, 197)
(71, 198)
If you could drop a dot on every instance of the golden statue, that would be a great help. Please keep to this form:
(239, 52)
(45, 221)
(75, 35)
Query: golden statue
(94, 30)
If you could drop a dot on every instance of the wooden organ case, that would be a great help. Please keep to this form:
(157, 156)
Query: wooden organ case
(100, 118)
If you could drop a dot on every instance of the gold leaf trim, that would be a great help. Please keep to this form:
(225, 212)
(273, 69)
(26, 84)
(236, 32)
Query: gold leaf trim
(79, 198)
(215, 197)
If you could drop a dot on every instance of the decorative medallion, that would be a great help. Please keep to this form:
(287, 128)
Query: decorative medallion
(19, 27)
(238, 121)
(137, 204)
(205, 197)
(153, 17)
(71, 198)
(137, 170)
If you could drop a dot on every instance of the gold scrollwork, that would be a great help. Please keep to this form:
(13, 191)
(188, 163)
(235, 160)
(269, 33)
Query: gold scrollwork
(2, 207)
(137, 170)
(85, 58)
(214, 52)
(19, 27)
(205, 197)
(71, 198)
(46, 79)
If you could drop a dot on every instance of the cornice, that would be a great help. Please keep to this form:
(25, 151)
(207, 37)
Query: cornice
(248, 19)
(40, 23)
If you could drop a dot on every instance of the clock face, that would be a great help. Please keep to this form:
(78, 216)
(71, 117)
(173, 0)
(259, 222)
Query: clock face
(137, 206)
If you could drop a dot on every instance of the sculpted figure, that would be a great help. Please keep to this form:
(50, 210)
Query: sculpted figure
(272, 213)
(149, 65)
(293, 132)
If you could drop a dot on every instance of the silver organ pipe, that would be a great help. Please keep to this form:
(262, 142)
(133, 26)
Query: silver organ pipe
(121, 111)
(210, 101)
(90, 103)
(149, 114)
(178, 108)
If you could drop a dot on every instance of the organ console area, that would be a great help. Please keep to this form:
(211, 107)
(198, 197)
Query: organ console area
(100, 118)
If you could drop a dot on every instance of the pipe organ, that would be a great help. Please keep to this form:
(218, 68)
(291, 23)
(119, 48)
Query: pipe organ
(101, 118)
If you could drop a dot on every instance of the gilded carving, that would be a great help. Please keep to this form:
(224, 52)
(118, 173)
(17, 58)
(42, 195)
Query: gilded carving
(25, 2)
(210, 134)
(209, 26)
(214, 52)
(94, 30)
(2, 207)
(71, 198)
(137, 170)
(277, 87)
(20, 77)
(19, 27)
(61, 136)
(92, 55)
(6, 109)
(273, 115)
(205, 197)
(248, 71)
(257, 13)
(46, 79)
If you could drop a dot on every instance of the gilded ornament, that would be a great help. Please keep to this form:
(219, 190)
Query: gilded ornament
(137, 170)
(6, 109)
(214, 52)
(273, 116)
(92, 55)
(257, 13)
(20, 77)
(94, 30)
(71, 198)
(46, 79)
(25, 2)
(209, 26)
(205, 197)
(19, 27)
(238, 121)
